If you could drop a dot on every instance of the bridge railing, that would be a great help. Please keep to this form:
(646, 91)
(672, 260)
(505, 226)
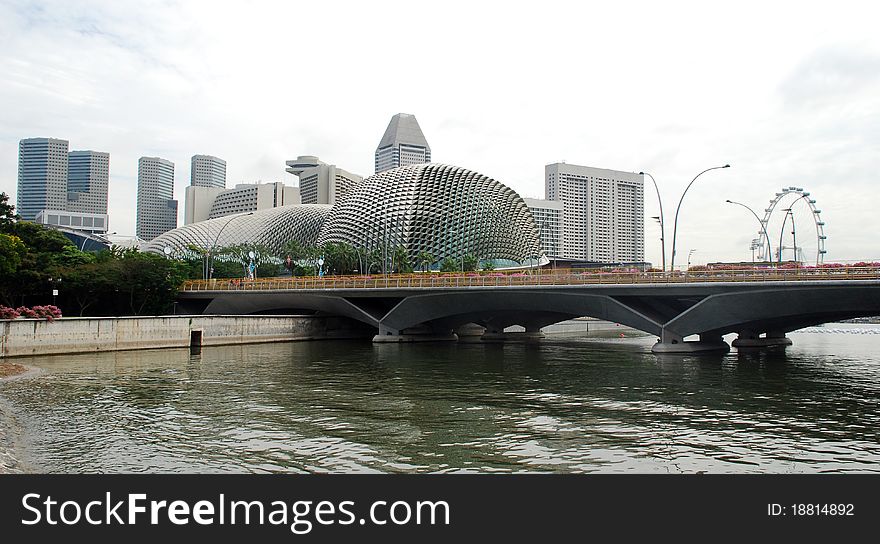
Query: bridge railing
(543, 277)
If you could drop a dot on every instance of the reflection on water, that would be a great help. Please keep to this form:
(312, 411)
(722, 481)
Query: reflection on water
(569, 405)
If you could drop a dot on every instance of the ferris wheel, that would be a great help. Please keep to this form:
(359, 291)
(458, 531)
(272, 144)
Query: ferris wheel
(764, 248)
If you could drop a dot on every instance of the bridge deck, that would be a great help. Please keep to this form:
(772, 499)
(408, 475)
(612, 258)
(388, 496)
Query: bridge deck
(544, 278)
(751, 303)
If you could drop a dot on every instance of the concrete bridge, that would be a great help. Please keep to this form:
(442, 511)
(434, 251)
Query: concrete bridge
(760, 306)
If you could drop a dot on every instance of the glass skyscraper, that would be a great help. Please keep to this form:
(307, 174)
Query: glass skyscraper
(156, 207)
(87, 179)
(207, 171)
(42, 176)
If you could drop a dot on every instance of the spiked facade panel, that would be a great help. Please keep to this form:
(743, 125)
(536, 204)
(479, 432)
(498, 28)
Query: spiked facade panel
(272, 228)
(444, 210)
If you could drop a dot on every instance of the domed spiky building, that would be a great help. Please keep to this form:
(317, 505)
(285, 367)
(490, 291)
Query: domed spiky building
(446, 211)
(272, 228)
(436, 209)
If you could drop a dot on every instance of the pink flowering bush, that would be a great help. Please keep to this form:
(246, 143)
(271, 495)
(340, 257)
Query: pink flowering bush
(48, 312)
(24, 311)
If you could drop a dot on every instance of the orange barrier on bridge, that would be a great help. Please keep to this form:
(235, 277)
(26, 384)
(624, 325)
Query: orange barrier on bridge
(535, 278)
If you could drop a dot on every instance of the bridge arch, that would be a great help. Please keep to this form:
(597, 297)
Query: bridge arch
(768, 309)
(537, 308)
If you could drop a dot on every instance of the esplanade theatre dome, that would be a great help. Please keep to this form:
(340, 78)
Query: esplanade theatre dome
(272, 228)
(444, 210)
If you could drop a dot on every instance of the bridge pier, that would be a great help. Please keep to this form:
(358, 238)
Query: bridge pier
(752, 339)
(673, 343)
(530, 334)
(470, 333)
(524, 336)
(388, 335)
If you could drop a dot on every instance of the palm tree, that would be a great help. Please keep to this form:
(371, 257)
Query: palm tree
(401, 258)
(424, 259)
(374, 258)
(449, 264)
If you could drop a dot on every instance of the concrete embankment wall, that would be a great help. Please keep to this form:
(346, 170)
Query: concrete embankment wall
(21, 337)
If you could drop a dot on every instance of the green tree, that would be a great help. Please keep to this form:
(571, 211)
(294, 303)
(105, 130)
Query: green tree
(45, 253)
(149, 281)
(7, 213)
(488, 265)
(470, 263)
(238, 259)
(448, 264)
(295, 250)
(401, 260)
(91, 285)
(339, 258)
(374, 260)
(12, 252)
(424, 260)
(71, 256)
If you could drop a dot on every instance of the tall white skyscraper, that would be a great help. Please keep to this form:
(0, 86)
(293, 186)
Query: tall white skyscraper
(61, 188)
(319, 182)
(603, 212)
(88, 175)
(156, 207)
(402, 144)
(42, 176)
(548, 217)
(207, 171)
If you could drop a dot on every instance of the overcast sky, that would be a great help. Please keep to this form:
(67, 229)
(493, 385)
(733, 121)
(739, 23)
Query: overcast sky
(788, 93)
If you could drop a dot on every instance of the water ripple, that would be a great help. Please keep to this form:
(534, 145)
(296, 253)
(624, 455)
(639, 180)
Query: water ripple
(568, 405)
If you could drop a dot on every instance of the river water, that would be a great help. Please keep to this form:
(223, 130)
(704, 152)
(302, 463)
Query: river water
(569, 404)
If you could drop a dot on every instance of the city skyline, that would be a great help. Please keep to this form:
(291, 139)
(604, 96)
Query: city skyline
(792, 106)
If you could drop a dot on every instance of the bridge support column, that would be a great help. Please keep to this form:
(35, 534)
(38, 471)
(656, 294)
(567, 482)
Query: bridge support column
(530, 334)
(470, 333)
(387, 335)
(750, 339)
(673, 343)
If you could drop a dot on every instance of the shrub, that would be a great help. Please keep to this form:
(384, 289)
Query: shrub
(26, 312)
(48, 312)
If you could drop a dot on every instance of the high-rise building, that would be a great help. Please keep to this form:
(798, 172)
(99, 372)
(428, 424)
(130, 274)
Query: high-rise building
(603, 212)
(207, 171)
(63, 189)
(319, 182)
(548, 217)
(402, 144)
(42, 176)
(204, 203)
(88, 174)
(156, 207)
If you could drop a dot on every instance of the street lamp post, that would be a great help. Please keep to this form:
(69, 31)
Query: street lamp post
(210, 260)
(541, 226)
(54, 283)
(760, 222)
(461, 239)
(677, 209)
(788, 213)
(691, 252)
(662, 228)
